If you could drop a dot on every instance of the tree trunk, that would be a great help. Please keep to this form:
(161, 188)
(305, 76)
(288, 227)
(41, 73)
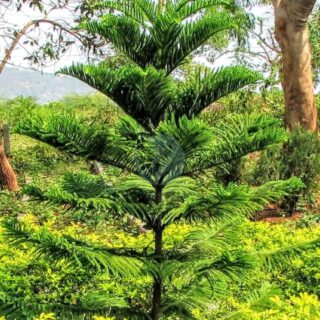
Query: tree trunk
(8, 179)
(292, 34)
(157, 281)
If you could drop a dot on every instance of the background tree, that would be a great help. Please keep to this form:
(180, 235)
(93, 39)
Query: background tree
(291, 31)
(292, 34)
(292, 54)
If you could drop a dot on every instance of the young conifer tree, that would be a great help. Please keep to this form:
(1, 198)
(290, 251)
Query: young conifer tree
(154, 41)
(161, 191)
(165, 148)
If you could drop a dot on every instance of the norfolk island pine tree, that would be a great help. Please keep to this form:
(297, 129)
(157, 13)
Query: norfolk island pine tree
(195, 272)
(163, 146)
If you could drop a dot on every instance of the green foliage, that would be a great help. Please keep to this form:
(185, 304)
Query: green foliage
(27, 285)
(65, 130)
(93, 105)
(201, 266)
(314, 40)
(298, 157)
(192, 252)
(11, 111)
(154, 45)
(301, 156)
(72, 251)
(267, 101)
(173, 141)
(304, 306)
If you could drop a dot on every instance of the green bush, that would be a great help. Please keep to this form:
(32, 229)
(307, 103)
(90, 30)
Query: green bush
(302, 274)
(13, 110)
(299, 157)
(95, 107)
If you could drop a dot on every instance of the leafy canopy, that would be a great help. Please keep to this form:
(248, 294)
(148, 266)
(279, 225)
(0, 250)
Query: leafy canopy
(164, 148)
(160, 192)
(154, 42)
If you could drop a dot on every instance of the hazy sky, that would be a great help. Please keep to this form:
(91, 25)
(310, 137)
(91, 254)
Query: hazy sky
(75, 55)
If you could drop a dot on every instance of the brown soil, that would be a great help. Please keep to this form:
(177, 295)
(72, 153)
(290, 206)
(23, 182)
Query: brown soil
(273, 214)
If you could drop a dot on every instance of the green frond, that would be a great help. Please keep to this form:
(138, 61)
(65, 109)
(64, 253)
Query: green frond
(162, 156)
(75, 252)
(85, 185)
(130, 129)
(174, 143)
(143, 94)
(136, 183)
(275, 190)
(206, 206)
(127, 155)
(79, 191)
(101, 302)
(223, 203)
(148, 95)
(126, 36)
(206, 87)
(187, 8)
(136, 190)
(75, 202)
(138, 10)
(180, 40)
(230, 266)
(261, 299)
(237, 136)
(216, 271)
(140, 211)
(185, 300)
(66, 132)
(213, 240)
(258, 300)
(285, 255)
(181, 187)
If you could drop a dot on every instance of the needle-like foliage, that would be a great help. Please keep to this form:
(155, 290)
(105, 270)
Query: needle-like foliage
(161, 192)
(155, 43)
(163, 146)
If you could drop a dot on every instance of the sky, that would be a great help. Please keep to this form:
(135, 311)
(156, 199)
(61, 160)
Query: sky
(75, 55)
(19, 19)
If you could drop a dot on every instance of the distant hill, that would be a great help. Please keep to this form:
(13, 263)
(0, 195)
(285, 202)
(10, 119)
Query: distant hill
(44, 87)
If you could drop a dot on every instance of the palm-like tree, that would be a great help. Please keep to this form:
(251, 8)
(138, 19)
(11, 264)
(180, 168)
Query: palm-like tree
(160, 192)
(155, 40)
(163, 148)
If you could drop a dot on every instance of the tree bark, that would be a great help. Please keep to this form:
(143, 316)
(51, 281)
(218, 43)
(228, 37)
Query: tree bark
(292, 34)
(8, 179)
(157, 281)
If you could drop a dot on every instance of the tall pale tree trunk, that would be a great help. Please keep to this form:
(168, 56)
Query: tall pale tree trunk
(292, 34)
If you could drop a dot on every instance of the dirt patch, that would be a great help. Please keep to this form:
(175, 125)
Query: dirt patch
(273, 214)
